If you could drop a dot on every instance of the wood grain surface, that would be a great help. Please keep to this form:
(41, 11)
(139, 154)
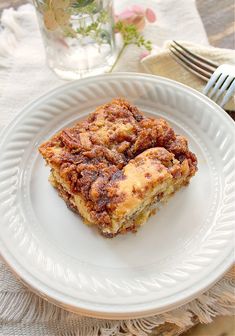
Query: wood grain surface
(218, 17)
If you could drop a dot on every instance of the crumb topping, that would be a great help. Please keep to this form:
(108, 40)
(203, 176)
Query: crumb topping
(91, 155)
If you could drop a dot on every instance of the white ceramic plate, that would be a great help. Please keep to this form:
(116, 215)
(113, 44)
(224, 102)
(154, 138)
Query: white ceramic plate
(178, 254)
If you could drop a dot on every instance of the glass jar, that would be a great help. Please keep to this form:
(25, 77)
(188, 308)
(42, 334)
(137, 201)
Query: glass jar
(78, 36)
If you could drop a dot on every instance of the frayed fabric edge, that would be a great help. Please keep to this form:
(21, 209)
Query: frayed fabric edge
(26, 307)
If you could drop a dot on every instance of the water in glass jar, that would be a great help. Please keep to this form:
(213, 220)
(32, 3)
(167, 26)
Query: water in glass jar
(78, 36)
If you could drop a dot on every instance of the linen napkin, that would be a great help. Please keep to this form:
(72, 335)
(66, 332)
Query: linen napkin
(23, 78)
(162, 64)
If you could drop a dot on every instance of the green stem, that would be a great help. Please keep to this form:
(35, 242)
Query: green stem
(118, 57)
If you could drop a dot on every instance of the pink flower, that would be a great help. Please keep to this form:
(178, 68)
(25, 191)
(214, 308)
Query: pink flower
(125, 15)
(150, 15)
(144, 54)
(138, 9)
(137, 16)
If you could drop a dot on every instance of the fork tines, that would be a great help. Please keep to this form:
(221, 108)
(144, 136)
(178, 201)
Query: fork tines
(198, 65)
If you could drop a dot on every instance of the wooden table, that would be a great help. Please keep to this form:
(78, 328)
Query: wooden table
(218, 19)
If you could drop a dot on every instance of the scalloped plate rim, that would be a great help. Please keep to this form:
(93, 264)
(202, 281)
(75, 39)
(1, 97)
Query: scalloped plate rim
(41, 289)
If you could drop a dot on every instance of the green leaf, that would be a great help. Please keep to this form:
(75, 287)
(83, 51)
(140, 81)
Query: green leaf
(131, 35)
(81, 3)
(105, 36)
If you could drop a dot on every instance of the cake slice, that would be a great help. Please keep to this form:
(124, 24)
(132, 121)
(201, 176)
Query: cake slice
(117, 165)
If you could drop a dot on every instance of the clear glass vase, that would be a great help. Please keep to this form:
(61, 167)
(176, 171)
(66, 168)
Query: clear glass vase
(78, 36)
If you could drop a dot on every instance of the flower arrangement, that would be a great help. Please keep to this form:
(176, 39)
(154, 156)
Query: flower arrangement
(57, 15)
(129, 23)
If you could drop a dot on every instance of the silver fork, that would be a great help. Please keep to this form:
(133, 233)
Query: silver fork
(220, 79)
